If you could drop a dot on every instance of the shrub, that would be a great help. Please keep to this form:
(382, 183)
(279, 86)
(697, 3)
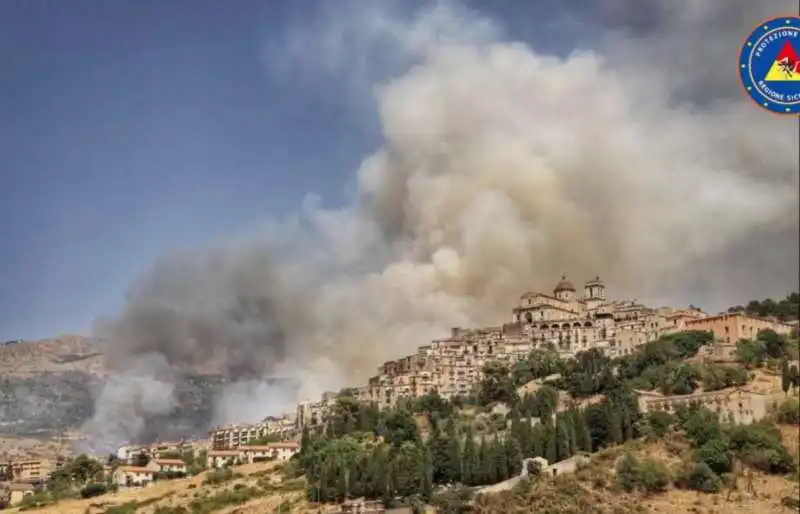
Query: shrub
(716, 455)
(659, 422)
(791, 502)
(760, 446)
(223, 499)
(647, 475)
(702, 426)
(165, 509)
(453, 501)
(36, 500)
(698, 476)
(789, 412)
(219, 476)
(92, 490)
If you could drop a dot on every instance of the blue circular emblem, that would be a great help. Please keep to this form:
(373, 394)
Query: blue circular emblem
(769, 65)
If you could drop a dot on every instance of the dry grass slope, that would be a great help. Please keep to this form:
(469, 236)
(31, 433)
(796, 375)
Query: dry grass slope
(591, 490)
(274, 495)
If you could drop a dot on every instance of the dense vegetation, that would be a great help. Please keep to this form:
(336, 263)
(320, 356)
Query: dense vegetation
(784, 310)
(383, 454)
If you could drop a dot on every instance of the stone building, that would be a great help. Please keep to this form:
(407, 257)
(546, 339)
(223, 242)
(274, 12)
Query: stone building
(735, 404)
(232, 436)
(568, 321)
(17, 493)
(273, 451)
(730, 327)
(32, 470)
(574, 323)
(313, 414)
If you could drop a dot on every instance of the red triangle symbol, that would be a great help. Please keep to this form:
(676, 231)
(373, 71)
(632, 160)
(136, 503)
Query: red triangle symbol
(787, 54)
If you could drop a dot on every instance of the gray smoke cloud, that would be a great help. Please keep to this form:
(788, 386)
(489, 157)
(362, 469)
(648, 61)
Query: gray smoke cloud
(501, 167)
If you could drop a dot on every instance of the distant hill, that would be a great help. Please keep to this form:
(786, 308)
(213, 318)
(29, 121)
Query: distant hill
(47, 386)
(57, 355)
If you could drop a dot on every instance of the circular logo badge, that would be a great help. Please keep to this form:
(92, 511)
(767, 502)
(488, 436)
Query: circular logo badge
(769, 65)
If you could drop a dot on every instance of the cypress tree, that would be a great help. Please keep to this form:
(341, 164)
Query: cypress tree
(485, 459)
(551, 444)
(499, 462)
(538, 441)
(786, 378)
(562, 441)
(583, 439)
(627, 425)
(513, 456)
(615, 435)
(523, 435)
(568, 419)
(452, 468)
(426, 490)
(437, 445)
(470, 462)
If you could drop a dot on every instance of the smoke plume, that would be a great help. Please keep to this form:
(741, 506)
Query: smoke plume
(636, 158)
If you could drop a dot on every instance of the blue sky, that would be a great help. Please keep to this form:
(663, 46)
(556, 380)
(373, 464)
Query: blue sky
(131, 127)
(127, 128)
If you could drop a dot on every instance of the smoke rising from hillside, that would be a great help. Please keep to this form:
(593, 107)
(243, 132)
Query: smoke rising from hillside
(500, 168)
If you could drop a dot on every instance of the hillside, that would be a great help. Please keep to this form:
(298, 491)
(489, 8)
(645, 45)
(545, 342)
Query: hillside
(47, 387)
(68, 353)
(594, 489)
(250, 489)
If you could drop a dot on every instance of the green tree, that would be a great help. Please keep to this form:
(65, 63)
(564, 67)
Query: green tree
(699, 477)
(583, 439)
(702, 426)
(613, 415)
(538, 442)
(409, 469)
(794, 373)
(453, 453)
(551, 442)
(399, 427)
(427, 475)
(774, 343)
(659, 422)
(750, 353)
(786, 377)
(563, 446)
(513, 456)
(716, 455)
(437, 446)
(485, 469)
(498, 465)
(470, 462)
(497, 385)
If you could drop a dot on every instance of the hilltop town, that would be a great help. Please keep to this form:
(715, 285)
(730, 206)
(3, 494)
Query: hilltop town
(551, 342)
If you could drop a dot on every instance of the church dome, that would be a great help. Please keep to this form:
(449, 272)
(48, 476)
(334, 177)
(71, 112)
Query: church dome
(564, 285)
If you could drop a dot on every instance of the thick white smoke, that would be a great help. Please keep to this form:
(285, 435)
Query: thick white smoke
(500, 168)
